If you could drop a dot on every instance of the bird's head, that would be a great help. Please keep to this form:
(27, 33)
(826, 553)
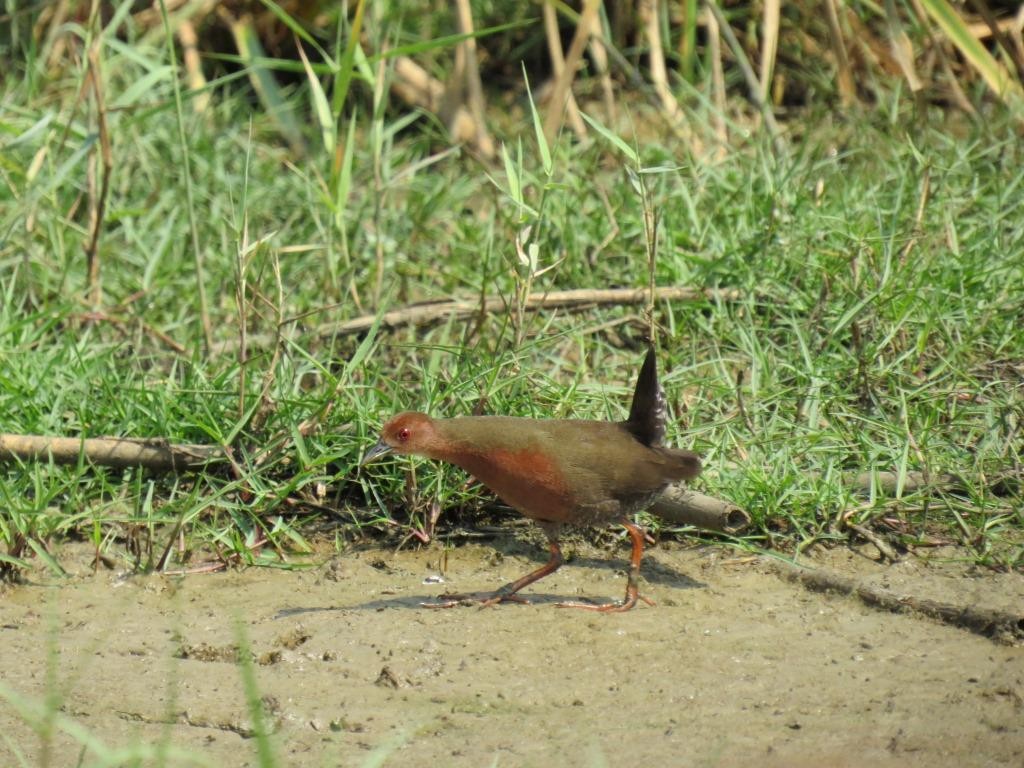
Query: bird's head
(408, 432)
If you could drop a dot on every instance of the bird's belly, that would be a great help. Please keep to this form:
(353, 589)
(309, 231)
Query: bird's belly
(526, 480)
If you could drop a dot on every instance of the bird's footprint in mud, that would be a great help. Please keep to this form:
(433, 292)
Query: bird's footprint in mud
(231, 653)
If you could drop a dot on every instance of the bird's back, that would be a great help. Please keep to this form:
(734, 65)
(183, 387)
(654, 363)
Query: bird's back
(571, 471)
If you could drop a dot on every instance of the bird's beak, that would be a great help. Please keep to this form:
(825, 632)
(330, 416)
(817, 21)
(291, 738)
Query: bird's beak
(380, 449)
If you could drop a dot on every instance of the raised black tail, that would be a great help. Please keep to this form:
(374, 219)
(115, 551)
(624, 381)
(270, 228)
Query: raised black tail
(646, 420)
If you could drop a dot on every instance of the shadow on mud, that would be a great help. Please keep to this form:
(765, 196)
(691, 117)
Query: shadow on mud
(655, 573)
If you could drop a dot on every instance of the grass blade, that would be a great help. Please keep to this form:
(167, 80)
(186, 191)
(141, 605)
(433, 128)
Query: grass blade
(994, 73)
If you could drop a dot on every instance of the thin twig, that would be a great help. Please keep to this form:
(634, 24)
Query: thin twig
(741, 405)
(97, 200)
(879, 543)
(922, 204)
(120, 322)
(265, 401)
(651, 244)
(241, 302)
(197, 254)
(380, 190)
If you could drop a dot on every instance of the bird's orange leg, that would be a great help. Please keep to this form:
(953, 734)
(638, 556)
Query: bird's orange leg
(632, 587)
(507, 593)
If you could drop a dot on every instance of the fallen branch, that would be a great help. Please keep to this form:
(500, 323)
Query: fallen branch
(870, 536)
(430, 312)
(155, 454)
(1006, 482)
(679, 505)
(1001, 626)
(574, 300)
(887, 482)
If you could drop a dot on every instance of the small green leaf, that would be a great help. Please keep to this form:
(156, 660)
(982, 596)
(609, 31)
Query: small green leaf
(320, 107)
(515, 189)
(297, 29)
(615, 140)
(538, 129)
(47, 558)
(343, 182)
(345, 66)
(994, 73)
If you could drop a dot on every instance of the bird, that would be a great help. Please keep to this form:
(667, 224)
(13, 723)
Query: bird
(557, 472)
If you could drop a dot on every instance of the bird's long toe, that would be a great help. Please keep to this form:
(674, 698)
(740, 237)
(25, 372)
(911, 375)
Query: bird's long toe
(450, 601)
(619, 606)
(479, 599)
(497, 597)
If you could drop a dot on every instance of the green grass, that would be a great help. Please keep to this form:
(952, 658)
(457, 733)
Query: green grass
(881, 264)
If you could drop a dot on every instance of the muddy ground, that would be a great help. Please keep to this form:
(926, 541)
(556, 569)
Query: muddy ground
(733, 667)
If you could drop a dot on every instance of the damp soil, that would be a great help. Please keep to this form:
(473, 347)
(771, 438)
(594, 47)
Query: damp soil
(734, 666)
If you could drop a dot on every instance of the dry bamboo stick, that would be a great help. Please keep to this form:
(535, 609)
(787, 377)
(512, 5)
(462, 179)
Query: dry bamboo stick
(557, 56)
(753, 86)
(157, 454)
(999, 483)
(428, 313)
(844, 74)
(717, 87)
(679, 505)
(769, 45)
(563, 83)
(414, 85)
(599, 55)
(471, 78)
(649, 16)
(572, 300)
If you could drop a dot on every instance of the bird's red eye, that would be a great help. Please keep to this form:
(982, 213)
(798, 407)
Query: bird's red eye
(403, 434)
